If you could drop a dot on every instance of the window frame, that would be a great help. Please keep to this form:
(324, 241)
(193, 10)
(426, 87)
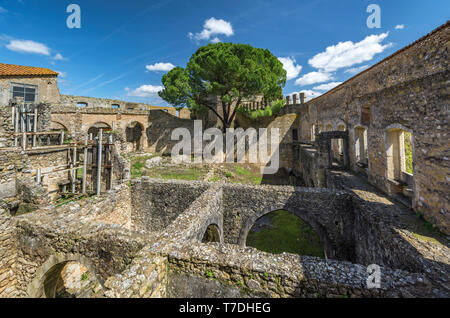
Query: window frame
(25, 86)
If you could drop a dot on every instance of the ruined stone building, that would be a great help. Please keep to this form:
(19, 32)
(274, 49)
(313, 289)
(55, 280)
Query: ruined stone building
(364, 159)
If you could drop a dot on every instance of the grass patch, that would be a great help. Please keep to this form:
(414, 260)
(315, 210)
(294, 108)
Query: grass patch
(288, 234)
(67, 198)
(243, 171)
(191, 174)
(137, 169)
(84, 276)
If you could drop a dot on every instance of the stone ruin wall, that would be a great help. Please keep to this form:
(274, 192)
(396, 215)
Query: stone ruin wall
(175, 261)
(171, 261)
(93, 230)
(408, 90)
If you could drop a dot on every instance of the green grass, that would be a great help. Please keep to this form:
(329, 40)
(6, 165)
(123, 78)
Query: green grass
(138, 165)
(289, 234)
(191, 174)
(137, 169)
(84, 276)
(242, 171)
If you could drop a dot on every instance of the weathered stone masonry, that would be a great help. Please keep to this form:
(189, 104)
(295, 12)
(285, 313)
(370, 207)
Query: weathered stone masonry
(407, 91)
(135, 260)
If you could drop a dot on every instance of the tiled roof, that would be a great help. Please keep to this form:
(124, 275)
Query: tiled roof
(18, 70)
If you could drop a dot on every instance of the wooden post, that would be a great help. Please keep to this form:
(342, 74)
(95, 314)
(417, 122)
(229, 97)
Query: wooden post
(74, 171)
(27, 118)
(99, 160)
(16, 123)
(35, 125)
(24, 141)
(22, 121)
(85, 160)
(110, 152)
(38, 176)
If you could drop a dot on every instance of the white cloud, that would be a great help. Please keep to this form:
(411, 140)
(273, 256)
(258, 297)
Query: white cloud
(163, 67)
(399, 26)
(59, 57)
(313, 77)
(27, 46)
(215, 40)
(328, 86)
(61, 73)
(292, 70)
(309, 94)
(212, 28)
(345, 54)
(145, 91)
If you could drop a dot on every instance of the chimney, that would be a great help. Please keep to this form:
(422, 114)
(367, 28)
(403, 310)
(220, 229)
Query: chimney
(302, 98)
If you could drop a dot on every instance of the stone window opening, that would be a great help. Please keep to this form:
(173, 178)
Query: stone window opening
(361, 151)
(294, 135)
(313, 133)
(399, 161)
(340, 145)
(82, 105)
(134, 136)
(115, 106)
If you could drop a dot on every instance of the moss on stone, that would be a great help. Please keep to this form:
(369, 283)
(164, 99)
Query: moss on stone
(25, 208)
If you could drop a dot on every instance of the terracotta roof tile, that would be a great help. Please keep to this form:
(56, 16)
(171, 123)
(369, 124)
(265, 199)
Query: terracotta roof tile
(18, 70)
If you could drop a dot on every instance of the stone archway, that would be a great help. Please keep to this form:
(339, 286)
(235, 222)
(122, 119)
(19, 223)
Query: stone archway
(329, 251)
(212, 234)
(57, 126)
(47, 275)
(134, 134)
(94, 129)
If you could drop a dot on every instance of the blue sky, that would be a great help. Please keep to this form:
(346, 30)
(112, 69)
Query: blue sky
(124, 47)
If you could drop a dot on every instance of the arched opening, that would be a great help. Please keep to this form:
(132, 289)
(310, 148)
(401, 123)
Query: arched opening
(282, 231)
(212, 234)
(66, 276)
(55, 126)
(134, 135)
(73, 280)
(94, 129)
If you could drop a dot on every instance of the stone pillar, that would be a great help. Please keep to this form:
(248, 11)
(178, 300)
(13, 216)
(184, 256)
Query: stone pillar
(288, 100)
(294, 99)
(302, 98)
